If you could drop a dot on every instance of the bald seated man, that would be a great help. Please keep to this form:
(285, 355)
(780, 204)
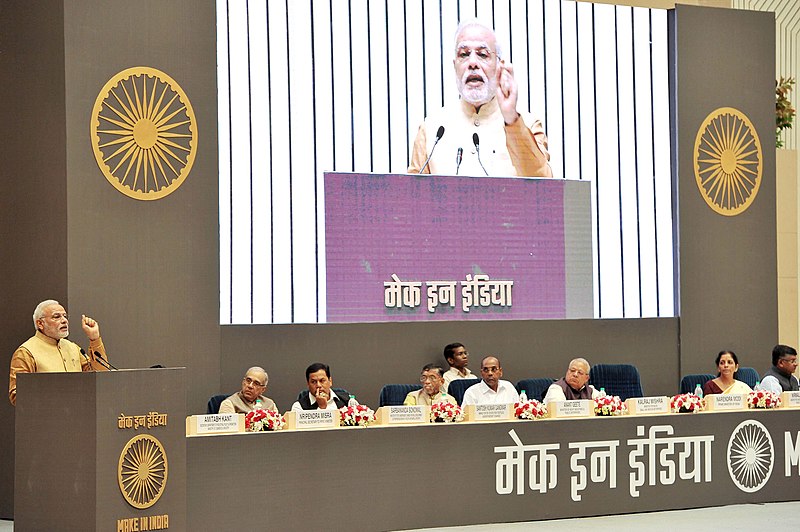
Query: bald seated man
(254, 384)
(492, 389)
(573, 385)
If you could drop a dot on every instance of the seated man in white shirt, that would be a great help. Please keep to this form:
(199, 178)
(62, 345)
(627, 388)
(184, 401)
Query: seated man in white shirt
(573, 385)
(432, 390)
(492, 390)
(254, 384)
(319, 394)
(457, 358)
(780, 377)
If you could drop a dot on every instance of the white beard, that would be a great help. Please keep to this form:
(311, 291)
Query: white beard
(477, 96)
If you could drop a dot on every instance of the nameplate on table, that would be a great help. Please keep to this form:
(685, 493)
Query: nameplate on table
(400, 414)
(569, 409)
(312, 419)
(724, 402)
(214, 424)
(790, 400)
(648, 405)
(489, 412)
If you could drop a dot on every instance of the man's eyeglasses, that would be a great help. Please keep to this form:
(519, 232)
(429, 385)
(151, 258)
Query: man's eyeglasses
(483, 55)
(248, 380)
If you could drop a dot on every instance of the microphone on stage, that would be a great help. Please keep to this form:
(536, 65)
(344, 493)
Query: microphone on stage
(439, 135)
(459, 156)
(89, 360)
(477, 144)
(108, 365)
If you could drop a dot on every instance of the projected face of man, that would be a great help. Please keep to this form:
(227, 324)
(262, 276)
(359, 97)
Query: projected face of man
(476, 65)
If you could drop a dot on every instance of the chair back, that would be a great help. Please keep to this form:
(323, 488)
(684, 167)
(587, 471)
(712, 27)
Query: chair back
(535, 388)
(395, 394)
(749, 376)
(214, 402)
(459, 386)
(617, 379)
(690, 382)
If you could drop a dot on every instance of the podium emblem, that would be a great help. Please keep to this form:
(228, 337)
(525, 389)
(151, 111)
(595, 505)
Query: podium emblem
(728, 161)
(143, 469)
(144, 133)
(750, 456)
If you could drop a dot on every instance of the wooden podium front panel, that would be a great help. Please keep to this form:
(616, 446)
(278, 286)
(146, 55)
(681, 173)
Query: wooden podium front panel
(70, 468)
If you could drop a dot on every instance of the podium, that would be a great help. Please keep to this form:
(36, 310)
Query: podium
(101, 451)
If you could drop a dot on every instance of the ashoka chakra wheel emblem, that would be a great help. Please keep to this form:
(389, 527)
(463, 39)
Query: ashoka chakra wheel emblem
(750, 456)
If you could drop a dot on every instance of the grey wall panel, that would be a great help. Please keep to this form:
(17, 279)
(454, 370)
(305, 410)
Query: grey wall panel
(363, 357)
(728, 285)
(146, 270)
(33, 210)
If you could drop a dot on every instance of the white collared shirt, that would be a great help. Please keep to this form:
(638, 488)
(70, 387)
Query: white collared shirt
(481, 394)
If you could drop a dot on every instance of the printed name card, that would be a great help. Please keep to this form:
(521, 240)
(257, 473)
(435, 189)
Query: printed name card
(790, 400)
(214, 424)
(724, 402)
(396, 415)
(568, 409)
(648, 405)
(312, 419)
(489, 412)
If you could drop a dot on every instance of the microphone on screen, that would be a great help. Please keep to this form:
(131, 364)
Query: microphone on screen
(459, 156)
(476, 141)
(439, 135)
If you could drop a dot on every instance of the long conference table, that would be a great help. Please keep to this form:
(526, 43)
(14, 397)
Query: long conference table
(402, 476)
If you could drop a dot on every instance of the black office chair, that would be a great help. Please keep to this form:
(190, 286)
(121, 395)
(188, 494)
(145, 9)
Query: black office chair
(395, 394)
(749, 376)
(459, 386)
(690, 382)
(617, 379)
(214, 402)
(535, 388)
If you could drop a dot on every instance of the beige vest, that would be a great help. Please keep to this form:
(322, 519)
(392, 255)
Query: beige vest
(51, 356)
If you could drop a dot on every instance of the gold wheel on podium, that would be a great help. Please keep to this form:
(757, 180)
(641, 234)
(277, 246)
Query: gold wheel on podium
(728, 161)
(144, 133)
(143, 469)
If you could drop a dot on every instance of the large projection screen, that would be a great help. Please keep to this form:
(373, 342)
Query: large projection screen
(310, 87)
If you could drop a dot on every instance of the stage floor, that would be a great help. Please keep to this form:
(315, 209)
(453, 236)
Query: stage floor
(733, 518)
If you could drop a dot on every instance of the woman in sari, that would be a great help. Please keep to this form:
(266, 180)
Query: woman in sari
(725, 382)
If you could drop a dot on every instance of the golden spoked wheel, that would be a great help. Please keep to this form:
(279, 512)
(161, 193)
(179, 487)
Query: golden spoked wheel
(144, 133)
(728, 161)
(143, 470)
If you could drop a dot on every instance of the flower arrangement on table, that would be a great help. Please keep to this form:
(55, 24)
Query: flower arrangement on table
(260, 420)
(763, 399)
(530, 409)
(444, 412)
(609, 405)
(686, 402)
(357, 416)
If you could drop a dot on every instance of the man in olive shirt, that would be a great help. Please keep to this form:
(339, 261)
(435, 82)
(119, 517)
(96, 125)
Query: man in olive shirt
(49, 350)
(254, 384)
(432, 388)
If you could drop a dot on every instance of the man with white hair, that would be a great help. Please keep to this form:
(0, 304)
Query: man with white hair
(483, 133)
(254, 384)
(49, 350)
(574, 385)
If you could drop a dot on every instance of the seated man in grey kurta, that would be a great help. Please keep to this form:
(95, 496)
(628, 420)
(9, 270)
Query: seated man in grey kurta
(254, 384)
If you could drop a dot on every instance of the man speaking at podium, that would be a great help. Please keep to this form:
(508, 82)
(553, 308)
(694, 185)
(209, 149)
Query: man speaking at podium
(49, 350)
(482, 134)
